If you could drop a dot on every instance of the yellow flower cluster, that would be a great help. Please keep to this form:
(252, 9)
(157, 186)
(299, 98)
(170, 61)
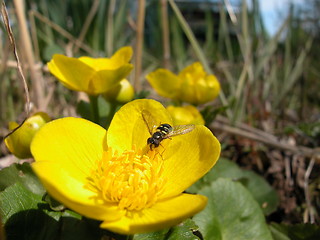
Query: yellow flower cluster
(115, 177)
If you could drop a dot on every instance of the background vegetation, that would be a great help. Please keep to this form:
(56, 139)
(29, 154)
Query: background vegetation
(267, 117)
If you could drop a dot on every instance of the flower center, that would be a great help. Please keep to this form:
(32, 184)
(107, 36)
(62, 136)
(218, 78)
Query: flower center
(131, 179)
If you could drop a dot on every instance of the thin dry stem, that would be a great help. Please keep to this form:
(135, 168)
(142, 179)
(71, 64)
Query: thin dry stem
(88, 21)
(5, 17)
(307, 152)
(165, 34)
(109, 36)
(62, 32)
(36, 76)
(231, 13)
(311, 217)
(3, 89)
(139, 45)
(33, 30)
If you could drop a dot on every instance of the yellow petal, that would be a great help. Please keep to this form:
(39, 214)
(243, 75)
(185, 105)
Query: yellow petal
(187, 158)
(74, 143)
(163, 214)
(128, 128)
(72, 192)
(105, 80)
(185, 115)
(123, 55)
(120, 58)
(213, 87)
(165, 83)
(73, 73)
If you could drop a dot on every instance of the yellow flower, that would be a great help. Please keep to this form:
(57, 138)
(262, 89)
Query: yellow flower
(115, 177)
(122, 93)
(185, 115)
(92, 75)
(192, 85)
(19, 141)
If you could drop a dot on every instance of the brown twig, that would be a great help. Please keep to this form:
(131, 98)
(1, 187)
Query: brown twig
(6, 21)
(139, 45)
(5, 17)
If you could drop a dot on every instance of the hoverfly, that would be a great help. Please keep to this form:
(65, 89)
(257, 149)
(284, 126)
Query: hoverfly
(162, 131)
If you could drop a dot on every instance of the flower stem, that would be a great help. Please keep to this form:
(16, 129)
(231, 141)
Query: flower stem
(112, 111)
(130, 237)
(94, 109)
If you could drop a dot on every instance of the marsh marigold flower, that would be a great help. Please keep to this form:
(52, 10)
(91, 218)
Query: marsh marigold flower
(187, 114)
(92, 75)
(192, 85)
(115, 177)
(19, 141)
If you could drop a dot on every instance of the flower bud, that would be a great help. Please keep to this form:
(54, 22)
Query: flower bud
(122, 93)
(19, 141)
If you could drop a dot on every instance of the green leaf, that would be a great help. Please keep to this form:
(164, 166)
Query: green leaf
(23, 174)
(231, 213)
(17, 198)
(159, 235)
(187, 230)
(26, 216)
(260, 189)
(295, 232)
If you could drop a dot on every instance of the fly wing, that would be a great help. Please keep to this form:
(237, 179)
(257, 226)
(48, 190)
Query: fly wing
(180, 129)
(149, 121)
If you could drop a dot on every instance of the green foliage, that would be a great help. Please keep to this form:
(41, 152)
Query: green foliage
(261, 191)
(187, 230)
(23, 175)
(231, 213)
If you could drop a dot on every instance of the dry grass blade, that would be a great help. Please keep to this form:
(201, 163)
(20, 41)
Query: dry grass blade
(86, 25)
(258, 137)
(5, 17)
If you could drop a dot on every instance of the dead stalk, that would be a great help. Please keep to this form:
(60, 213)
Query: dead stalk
(109, 31)
(5, 17)
(257, 136)
(139, 45)
(165, 34)
(63, 32)
(307, 192)
(36, 76)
